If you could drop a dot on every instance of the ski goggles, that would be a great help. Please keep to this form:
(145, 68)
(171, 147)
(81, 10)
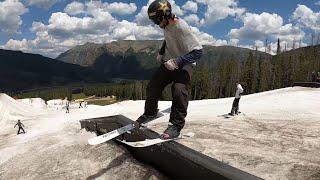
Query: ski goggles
(156, 20)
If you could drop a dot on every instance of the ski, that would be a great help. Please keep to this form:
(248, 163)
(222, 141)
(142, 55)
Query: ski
(117, 132)
(151, 142)
(110, 135)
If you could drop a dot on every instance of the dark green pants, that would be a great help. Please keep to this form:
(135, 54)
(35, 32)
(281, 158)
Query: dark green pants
(180, 80)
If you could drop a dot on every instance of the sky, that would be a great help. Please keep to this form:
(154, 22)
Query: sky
(50, 27)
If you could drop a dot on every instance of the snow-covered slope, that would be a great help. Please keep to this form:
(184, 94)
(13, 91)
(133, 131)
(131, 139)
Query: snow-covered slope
(34, 102)
(277, 136)
(12, 110)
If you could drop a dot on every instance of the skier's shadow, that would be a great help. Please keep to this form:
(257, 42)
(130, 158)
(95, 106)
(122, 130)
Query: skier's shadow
(114, 163)
(168, 110)
(226, 116)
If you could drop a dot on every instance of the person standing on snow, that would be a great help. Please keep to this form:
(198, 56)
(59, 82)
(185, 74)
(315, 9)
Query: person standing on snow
(235, 104)
(20, 125)
(67, 107)
(313, 77)
(177, 56)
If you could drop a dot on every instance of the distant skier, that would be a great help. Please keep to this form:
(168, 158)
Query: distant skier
(20, 125)
(80, 104)
(178, 53)
(67, 107)
(235, 104)
(313, 77)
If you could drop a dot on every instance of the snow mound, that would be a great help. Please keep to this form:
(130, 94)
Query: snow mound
(56, 103)
(34, 102)
(12, 110)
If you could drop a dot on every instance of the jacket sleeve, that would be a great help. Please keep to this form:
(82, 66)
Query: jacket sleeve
(240, 88)
(190, 58)
(15, 125)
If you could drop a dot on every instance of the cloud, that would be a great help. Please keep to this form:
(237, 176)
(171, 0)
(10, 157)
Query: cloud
(16, 44)
(64, 31)
(190, 6)
(126, 29)
(192, 19)
(307, 18)
(265, 25)
(257, 26)
(220, 9)
(46, 4)
(234, 42)
(207, 39)
(121, 8)
(176, 8)
(142, 17)
(74, 8)
(10, 16)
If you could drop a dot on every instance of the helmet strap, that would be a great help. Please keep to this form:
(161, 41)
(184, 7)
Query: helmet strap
(172, 17)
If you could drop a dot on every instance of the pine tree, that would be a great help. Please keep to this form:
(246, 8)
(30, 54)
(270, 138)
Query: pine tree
(279, 47)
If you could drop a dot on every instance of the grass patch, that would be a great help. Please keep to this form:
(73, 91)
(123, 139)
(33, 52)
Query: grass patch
(79, 96)
(103, 102)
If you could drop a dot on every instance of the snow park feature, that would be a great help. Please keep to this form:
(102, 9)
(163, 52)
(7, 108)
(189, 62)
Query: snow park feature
(12, 110)
(117, 132)
(34, 102)
(175, 160)
(56, 103)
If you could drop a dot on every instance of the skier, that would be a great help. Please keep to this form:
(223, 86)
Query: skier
(80, 104)
(235, 104)
(20, 125)
(177, 56)
(313, 77)
(67, 106)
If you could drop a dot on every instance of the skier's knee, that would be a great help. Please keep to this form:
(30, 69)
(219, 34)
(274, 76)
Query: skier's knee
(179, 89)
(152, 90)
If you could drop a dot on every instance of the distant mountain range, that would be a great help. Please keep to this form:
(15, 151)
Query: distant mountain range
(20, 70)
(136, 59)
(101, 62)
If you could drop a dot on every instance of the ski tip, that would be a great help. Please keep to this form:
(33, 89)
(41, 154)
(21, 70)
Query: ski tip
(92, 142)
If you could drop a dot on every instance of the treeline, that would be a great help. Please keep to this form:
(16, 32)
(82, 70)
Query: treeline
(58, 93)
(256, 74)
(125, 90)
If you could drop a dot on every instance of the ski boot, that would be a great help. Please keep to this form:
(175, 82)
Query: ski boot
(232, 113)
(143, 119)
(171, 132)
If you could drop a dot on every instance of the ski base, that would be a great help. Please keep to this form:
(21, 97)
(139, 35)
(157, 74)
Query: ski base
(110, 135)
(150, 142)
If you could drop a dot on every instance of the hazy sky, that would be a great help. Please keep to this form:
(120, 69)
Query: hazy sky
(50, 27)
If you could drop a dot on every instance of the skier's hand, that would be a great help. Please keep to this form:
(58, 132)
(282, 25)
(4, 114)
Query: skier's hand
(171, 64)
(160, 58)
